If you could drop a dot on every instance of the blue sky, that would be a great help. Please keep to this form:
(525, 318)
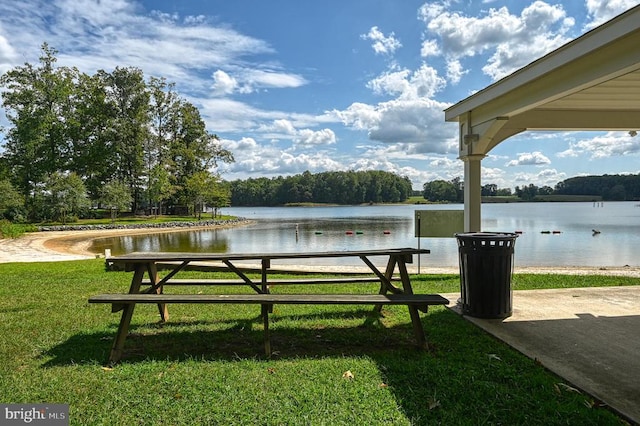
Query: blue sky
(292, 85)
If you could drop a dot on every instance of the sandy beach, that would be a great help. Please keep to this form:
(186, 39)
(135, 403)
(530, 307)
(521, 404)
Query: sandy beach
(54, 246)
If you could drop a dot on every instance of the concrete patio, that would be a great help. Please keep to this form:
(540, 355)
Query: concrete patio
(588, 336)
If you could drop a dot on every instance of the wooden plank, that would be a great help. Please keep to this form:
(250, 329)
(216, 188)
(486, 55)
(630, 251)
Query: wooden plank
(284, 299)
(138, 257)
(353, 280)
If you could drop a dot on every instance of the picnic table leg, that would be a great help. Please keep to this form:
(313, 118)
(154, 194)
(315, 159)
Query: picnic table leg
(418, 330)
(125, 320)
(265, 321)
(264, 278)
(266, 308)
(152, 270)
(391, 266)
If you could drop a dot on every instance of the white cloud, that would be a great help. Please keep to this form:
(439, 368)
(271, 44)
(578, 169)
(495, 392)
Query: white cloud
(455, 71)
(284, 126)
(547, 177)
(411, 117)
(495, 176)
(601, 11)
(360, 116)
(550, 176)
(223, 83)
(227, 115)
(430, 48)
(610, 144)
(535, 158)
(308, 137)
(261, 78)
(417, 121)
(469, 36)
(271, 160)
(511, 41)
(390, 83)
(285, 129)
(99, 35)
(406, 84)
(385, 45)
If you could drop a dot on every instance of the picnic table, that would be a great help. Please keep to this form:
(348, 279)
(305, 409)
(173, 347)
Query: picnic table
(394, 285)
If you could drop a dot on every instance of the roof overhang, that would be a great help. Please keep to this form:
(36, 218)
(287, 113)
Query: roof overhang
(591, 83)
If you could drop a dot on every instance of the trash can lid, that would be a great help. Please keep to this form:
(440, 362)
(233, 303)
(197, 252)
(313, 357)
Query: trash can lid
(487, 235)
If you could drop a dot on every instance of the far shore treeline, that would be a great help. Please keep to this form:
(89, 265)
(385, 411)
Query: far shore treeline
(328, 188)
(580, 188)
(384, 187)
(81, 146)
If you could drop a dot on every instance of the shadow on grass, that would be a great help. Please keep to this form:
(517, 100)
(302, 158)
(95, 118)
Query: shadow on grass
(466, 374)
(241, 338)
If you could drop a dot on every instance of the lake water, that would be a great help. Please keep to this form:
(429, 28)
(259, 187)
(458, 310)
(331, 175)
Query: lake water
(370, 227)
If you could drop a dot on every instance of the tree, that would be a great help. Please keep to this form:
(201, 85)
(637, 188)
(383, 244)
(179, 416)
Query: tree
(204, 188)
(115, 196)
(11, 202)
(159, 187)
(489, 190)
(66, 196)
(128, 100)
(218, 196)
(163, 111)
(440, 190)
(528, 192)
(90, 131)
(109, 126)
(193, 149)
(38, 103)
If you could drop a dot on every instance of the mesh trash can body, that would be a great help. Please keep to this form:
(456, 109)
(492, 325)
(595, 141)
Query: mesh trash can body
(486, 265)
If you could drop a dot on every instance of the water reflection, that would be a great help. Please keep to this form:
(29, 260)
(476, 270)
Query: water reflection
(181, 241)
(276, 235)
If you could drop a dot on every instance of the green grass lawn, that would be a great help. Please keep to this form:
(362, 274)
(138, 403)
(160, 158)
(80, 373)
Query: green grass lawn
(206, 365)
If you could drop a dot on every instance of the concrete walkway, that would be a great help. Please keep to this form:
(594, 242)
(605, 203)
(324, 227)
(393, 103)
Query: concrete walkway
(588, 336)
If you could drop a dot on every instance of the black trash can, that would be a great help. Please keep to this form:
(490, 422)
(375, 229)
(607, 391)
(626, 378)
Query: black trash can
(486, 265)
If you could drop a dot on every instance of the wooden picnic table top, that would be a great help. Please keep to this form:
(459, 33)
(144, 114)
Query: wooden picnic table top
(146, 257)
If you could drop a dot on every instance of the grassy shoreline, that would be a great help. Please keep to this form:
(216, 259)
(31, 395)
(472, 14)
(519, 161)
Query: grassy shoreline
(205, 365)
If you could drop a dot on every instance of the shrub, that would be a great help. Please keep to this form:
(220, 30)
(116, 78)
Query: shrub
(9, 230)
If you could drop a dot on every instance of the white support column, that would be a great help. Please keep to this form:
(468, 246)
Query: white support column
(472, 192)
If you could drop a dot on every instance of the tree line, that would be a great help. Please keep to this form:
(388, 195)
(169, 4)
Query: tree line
(350, 187)
(111, 139)
(608, 187)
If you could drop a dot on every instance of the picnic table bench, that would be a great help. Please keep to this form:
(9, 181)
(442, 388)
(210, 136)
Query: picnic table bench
(151, 290)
